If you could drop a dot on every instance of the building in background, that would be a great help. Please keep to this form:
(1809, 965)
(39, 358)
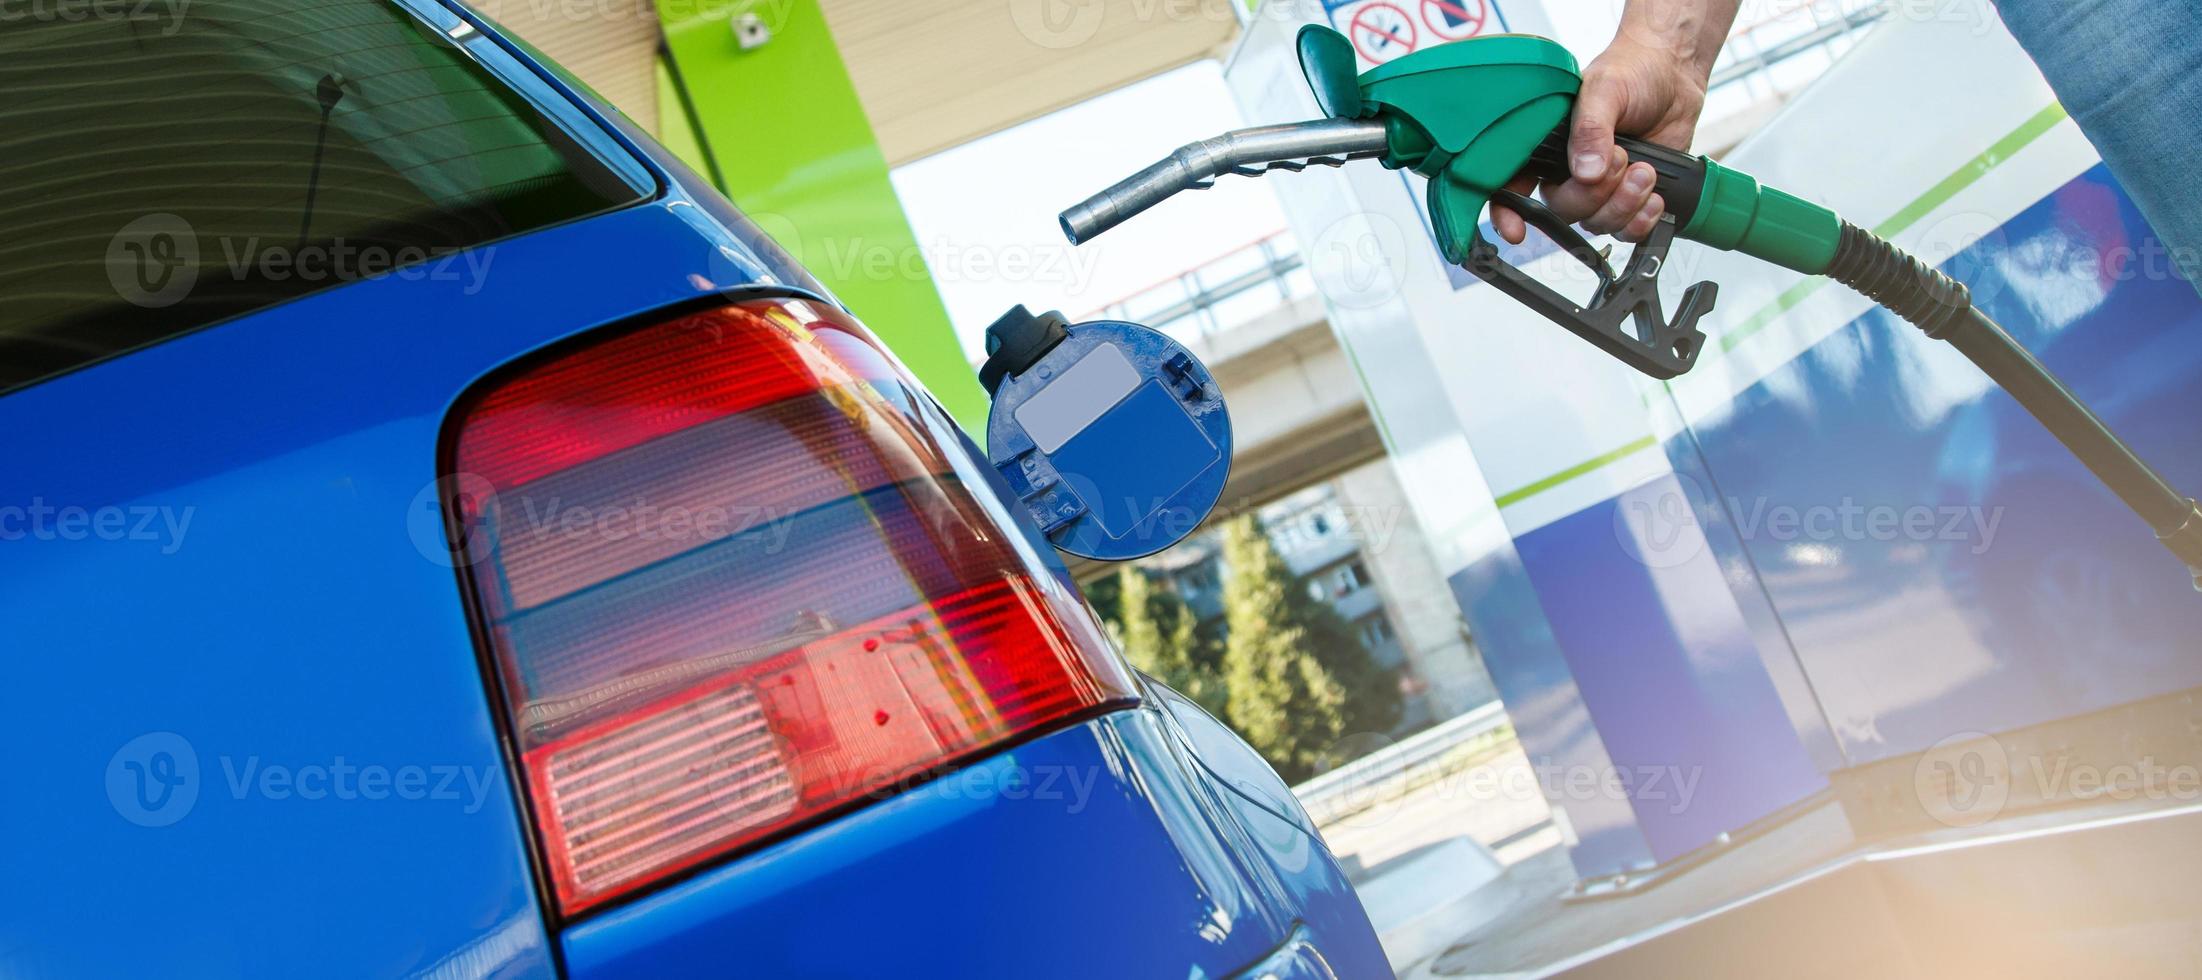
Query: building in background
(1354, 543)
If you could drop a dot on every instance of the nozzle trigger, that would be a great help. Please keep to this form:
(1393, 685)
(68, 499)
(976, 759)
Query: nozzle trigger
(1656, 346)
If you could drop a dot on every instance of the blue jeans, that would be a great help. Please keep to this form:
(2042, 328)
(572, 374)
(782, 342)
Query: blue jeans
(2130, 72)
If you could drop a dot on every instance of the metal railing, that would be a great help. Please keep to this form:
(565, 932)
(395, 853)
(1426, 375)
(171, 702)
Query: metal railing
(1820, 26)
(1220, 293)
(1390, 771)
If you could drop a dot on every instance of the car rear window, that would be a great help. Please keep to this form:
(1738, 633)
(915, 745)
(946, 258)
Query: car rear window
(167, 165)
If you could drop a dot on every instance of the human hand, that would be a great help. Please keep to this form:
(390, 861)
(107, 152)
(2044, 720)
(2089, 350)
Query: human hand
(1647, 87)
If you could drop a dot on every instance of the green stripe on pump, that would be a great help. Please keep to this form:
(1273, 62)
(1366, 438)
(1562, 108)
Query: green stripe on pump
(1940, 194)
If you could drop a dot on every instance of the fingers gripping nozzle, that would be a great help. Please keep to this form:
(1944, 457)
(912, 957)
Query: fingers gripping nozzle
(1473, 115)
(1469, 116)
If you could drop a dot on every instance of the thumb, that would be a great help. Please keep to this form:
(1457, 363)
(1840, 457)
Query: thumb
(1590, 145)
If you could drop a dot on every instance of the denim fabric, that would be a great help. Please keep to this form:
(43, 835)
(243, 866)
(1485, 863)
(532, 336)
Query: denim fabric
(2130, 72)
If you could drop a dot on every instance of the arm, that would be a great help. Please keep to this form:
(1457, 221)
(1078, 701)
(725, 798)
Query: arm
(1649, 83)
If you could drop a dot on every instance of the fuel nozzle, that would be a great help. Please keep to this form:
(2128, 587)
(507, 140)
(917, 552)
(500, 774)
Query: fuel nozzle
(1472, 115)
(1469, 116)
(1245, 152)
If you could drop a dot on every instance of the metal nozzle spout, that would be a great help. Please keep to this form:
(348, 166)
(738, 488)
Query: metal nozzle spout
(1247, 152)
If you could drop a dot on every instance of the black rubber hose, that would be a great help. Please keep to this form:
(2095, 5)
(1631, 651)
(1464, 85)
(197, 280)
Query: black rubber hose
(1908, 287)
(1943, 308)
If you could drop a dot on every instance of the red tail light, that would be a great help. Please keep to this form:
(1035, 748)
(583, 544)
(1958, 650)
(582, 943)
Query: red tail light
(734, 578)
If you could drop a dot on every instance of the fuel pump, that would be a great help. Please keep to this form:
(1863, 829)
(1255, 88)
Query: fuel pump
(1472, 115)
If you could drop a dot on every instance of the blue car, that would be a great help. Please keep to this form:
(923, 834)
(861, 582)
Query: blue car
(440, 536)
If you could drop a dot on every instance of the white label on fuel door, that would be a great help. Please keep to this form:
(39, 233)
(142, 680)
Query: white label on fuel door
(1081, 394)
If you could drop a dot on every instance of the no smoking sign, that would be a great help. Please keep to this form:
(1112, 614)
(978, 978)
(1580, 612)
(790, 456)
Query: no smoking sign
(1456, 19)
(1382, 30)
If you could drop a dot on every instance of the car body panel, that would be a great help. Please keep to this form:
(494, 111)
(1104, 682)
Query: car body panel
(294, 604)
(278, 597)
(1090, 852)
(271, 609)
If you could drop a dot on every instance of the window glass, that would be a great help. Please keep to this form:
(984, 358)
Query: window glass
(163, 167)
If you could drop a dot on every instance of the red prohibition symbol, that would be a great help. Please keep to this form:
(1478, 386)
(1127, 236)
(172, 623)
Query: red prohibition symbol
(1382, 31)
(1456, 19)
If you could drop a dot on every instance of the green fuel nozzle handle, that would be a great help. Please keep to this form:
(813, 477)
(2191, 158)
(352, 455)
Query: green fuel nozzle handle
(1515, 121)
(1470, 116)
(1720, 206)
(1473, 115)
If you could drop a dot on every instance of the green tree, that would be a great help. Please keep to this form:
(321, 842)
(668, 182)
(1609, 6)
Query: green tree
(1299, 680)
(1284, 703)
(1372, 691)
(1105, 595)
(1156, 631)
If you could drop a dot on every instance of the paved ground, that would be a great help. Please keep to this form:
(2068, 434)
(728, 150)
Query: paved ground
(1496, 804)
(1426, 861)
(1466, 876)
(1538, 929)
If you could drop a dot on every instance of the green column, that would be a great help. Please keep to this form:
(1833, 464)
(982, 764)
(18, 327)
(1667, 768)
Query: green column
(674, 131)
(796, 152)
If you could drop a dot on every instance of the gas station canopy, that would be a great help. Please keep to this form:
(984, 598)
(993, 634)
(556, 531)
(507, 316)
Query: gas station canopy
(936, 73)
(930, 73)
